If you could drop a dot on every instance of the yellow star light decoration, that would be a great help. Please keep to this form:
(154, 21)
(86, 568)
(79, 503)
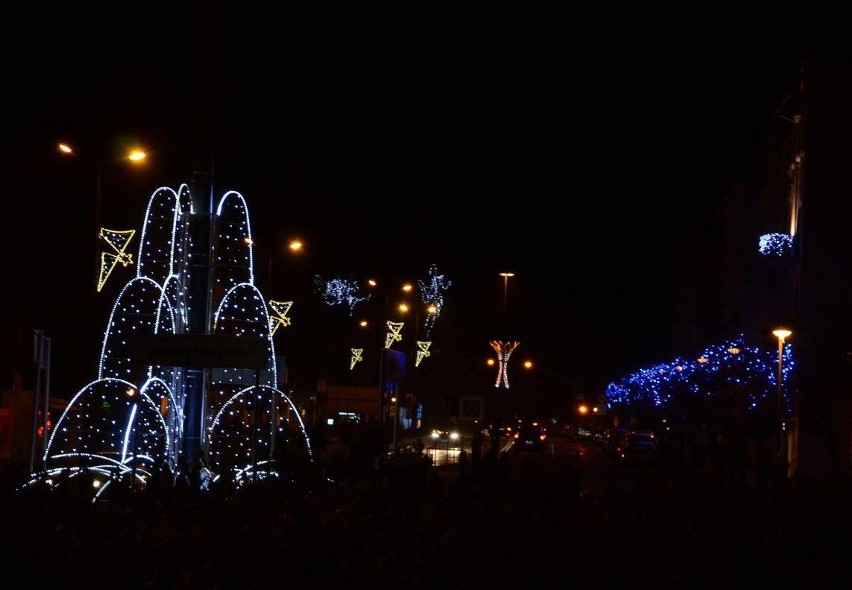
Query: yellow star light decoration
(393, 335)
(356, 357)
(118, 240)
(281, 309)
(504, 351)
(423, 352)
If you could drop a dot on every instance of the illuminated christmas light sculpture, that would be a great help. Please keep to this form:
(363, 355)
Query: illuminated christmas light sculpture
(432, 293)
(281, 308)
(775, 244)
(422, 352)
(339, 291)
(118, 240)
(747, 372)
(129, 423)
(357, 357)
(394, 333)
(504, 350)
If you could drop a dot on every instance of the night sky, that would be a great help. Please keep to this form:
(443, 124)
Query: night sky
(389, 143)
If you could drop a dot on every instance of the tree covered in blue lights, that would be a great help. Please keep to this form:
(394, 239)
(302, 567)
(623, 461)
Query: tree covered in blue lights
(727, 380)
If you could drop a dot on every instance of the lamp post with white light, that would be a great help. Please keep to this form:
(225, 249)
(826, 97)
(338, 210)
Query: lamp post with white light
(504, 348)
(506, 276)
(780, 455)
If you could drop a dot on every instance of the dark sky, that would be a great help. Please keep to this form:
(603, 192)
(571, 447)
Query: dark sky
(390, 142)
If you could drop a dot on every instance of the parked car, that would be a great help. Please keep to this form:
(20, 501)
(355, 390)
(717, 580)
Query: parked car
(613, 438)
(529, 437)
(637, 447)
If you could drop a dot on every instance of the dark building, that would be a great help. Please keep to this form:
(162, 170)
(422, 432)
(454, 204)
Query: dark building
(778, 252)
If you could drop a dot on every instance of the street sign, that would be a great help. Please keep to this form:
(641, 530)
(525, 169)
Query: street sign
(471, 408)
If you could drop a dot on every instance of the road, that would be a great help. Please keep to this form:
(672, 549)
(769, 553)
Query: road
(444, 452)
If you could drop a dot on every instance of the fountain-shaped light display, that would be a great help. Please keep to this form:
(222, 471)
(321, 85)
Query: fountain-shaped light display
(129, 423)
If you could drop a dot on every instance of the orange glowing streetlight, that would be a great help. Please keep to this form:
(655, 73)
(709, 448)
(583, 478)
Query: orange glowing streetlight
(134, 155)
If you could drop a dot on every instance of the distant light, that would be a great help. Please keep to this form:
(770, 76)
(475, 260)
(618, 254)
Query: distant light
(65, 148)
(136, 156)
(295, 245)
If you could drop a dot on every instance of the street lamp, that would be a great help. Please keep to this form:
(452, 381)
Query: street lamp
(296, 248)
(42, 384)
(134, 156)
(506, 276)
(504, 349)
(393, 334)
(781, 334)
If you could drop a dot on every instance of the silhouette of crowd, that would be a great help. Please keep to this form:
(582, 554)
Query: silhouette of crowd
(485, 522)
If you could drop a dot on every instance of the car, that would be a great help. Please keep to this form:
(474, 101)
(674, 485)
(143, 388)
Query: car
(529, 437)
(637, 447)
(447, 435)
(613, 438)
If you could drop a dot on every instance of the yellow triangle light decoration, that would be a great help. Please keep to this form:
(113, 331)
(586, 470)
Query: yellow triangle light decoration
(423, 352)
(281, 309)
(118, 240)
(356, 357)
(393, 334)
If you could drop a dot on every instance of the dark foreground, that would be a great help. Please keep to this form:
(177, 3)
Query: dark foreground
(488, 524)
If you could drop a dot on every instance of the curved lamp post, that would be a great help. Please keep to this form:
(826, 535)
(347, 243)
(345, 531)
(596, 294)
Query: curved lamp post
(134, 156)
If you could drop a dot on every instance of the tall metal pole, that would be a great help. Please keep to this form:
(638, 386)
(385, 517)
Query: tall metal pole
(98, 238)
(201, 227)
(780, 406)
(781, 334)
(381, 413)
(37, 354)
(505, 276)
(46, 387)
(379, 410)
(395, 421)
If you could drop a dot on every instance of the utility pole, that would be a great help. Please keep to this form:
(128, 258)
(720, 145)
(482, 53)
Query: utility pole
(42, 383)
